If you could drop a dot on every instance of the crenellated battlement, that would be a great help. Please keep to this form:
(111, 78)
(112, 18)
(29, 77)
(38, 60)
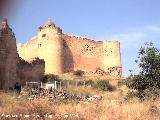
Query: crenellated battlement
(50, 24)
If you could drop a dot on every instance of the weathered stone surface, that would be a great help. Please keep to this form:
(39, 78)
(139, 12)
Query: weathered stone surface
(64, 53)
(30, 71)
(8, 57)
(12, 69)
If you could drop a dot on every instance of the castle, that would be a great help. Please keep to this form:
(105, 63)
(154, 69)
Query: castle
(53, 52)
(64, 53)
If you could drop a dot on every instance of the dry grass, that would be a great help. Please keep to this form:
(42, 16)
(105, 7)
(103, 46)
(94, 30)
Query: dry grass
(71, 76)
(107, 109)
(112, 110)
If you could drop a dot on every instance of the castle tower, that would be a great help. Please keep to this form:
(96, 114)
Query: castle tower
(112, 56)
(50, 47)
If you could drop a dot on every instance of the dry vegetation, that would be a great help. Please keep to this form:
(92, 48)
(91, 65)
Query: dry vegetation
(112, 107)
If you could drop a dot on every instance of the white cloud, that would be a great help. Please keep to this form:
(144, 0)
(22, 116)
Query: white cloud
(149, 33)
(154, 29)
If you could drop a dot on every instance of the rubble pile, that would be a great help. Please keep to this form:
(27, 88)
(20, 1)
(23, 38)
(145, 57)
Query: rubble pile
(54, 95)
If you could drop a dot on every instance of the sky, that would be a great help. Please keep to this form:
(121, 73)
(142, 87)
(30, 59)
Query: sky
(132, 22)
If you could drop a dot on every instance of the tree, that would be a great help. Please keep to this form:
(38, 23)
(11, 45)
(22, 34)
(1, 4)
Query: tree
(149, 76)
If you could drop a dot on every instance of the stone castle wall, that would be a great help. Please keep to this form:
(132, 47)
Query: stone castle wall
(30, 71)
(85, 54)
(13, 69)
(64, 53)
(8, 57)
(45, 46)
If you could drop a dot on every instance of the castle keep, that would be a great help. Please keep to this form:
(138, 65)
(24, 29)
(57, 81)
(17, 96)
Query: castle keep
(53, 52)
(64, 53)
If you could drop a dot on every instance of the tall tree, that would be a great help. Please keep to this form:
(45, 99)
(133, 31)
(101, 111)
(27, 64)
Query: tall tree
(149, 62)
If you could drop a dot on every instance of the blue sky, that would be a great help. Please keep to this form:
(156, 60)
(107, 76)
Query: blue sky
(132, 22)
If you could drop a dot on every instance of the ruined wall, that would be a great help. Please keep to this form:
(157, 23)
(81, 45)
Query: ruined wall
(64, 53)
(8, 57)
(2, 61)
(30, 72)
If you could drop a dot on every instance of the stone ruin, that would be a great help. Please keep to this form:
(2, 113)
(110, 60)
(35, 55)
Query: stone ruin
(53, 52)
(64, 53)
(13, 69)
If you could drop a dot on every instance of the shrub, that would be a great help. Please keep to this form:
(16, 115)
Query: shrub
(130, 95)
(103, 85)
(135, 94)
(50, 78)
(128, 82)
(79, 73)
(89, 83)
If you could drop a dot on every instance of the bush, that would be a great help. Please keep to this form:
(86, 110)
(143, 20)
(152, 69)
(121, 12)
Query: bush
(130, 95)
(79, 73)
(128, 82)
(50, 78)
(89, 83)
(135, 94)
(103, 85)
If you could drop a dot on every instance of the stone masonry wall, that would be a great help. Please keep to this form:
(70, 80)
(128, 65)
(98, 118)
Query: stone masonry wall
(87, 54)
(30, 72)
(9, 57)
(64, 53)
(13, 69)
(47, 45)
